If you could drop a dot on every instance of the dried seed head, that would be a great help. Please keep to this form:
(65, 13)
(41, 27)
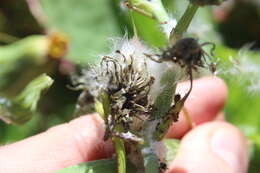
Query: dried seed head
(128, 86)
(135, 86)
(187, 52)
(124, 76)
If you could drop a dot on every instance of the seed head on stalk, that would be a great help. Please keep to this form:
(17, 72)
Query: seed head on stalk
(125, 85)
(124, 77)
(136, 96)
(121, 84)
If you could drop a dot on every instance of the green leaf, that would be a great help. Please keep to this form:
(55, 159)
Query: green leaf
(12, 133)
(99, 166)
(21, 108)
(154, 35)
(20, 56)
(88, 24)
(148, 27)
(172, 146)
(31, 94)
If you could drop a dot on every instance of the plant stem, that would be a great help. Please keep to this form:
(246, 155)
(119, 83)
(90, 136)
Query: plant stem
(120, 154)
(183, 23)
(103, 108)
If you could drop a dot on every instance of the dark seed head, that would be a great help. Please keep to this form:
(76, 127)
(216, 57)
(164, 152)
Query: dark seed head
(187, 52)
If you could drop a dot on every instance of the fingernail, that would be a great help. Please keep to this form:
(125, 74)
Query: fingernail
(227, 145)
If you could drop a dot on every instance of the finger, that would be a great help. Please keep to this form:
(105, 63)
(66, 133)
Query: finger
(220, 117)
(206, 100)
(212, 147)
(64, 145)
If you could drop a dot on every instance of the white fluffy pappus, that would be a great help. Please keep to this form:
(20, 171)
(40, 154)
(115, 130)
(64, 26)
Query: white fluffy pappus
(137, 50)
(168, 26)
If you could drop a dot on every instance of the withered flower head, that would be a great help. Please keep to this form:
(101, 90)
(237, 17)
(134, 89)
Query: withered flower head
(124, 77)
(137, 94)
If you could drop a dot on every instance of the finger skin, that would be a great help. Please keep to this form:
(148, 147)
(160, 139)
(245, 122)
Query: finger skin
(206, 100)
(64, 145)
(212, 147)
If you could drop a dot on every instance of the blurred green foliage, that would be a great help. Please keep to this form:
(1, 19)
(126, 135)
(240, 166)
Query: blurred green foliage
(16, 20)
(106, 165)
(88, 27)
(20, 109)
(89, 24)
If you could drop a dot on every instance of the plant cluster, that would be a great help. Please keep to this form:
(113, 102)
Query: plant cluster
(137, 102)
(133, 88)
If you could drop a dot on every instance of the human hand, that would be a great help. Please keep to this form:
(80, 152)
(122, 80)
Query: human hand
(213, 146)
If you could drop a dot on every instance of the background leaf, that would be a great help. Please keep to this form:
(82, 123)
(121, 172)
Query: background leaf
(152, 36)
(87, 27)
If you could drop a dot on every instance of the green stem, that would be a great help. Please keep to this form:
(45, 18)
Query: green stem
(183, 23)
(120, 154)
(103, 108)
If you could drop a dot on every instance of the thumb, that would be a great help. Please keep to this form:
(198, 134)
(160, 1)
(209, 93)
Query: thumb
(212, 147)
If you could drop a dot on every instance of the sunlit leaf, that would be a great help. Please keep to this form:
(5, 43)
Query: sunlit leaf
(87, 23)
